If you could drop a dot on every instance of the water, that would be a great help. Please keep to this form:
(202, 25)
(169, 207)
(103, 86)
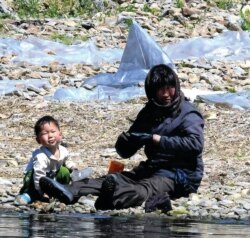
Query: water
(87, 225)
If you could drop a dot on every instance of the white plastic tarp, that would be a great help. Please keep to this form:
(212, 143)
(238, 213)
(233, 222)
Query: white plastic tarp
(100, 93)
(10, 87)
(42, 52)
(239, 100)
(229, 45)
(140, 54)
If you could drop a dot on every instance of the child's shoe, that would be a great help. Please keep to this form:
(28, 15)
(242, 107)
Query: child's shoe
(22, 199)
(56, 190)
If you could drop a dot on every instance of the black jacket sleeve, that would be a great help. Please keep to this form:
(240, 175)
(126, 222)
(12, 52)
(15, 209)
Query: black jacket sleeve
(125, 146)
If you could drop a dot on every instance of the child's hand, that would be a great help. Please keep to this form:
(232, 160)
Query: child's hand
(45, 198)
(45, 195)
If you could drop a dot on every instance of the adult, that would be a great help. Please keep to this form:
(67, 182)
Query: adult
(171, 130)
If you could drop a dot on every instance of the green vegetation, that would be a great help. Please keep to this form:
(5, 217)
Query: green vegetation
(231, 183)
(224, 4)
(217, 88)
(128, 22)
(231, 90)
(73, 8)
(1, 27)
(62, 38)
(5, 16)
(129, 8)
(89, 7)
(67, 40)
(245, 17)
(28, 8)
(55, 8)
(179, 3)
(146, 8)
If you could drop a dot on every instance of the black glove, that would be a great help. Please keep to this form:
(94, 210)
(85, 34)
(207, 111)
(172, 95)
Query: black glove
(159, 201)
(124, 146)
(124, 136)
(141, 138)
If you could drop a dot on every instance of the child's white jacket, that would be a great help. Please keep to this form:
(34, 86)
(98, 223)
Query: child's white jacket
(43, 161)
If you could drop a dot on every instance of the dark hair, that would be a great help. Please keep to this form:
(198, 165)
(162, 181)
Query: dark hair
(159, 76)
(42, 121)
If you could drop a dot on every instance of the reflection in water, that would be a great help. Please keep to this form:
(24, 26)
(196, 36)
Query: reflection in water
(87, 225)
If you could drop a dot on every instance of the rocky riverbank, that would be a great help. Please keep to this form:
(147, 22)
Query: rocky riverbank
(90, 129)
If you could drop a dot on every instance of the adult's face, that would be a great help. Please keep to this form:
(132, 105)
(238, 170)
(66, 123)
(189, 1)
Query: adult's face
(165, 95)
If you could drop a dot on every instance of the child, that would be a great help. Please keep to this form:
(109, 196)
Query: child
(51, 160)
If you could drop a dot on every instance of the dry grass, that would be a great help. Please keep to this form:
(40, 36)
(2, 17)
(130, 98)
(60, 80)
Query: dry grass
(90, 131)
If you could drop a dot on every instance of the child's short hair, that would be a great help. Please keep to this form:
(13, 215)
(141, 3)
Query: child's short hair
(42, 121)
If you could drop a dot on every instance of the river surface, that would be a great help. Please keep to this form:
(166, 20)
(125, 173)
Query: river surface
(87, 225)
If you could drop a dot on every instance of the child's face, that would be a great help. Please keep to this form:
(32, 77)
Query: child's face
(165, 95)
(50, 136)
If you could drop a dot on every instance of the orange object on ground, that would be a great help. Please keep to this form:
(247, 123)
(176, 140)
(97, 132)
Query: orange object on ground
(115, 166)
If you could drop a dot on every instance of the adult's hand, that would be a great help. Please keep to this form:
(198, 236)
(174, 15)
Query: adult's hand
(141, 138)
(156, 138)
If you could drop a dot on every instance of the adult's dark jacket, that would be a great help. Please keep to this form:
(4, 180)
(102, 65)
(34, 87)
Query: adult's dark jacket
(179, 153)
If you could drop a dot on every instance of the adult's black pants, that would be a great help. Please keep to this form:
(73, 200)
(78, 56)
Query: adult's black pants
(131, 190)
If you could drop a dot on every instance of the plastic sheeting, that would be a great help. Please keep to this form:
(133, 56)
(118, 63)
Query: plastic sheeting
(42, 52)
(230, 45)
(140, 54)
(10, 87)
(100, 93)
(105, 93)
(239, 100)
